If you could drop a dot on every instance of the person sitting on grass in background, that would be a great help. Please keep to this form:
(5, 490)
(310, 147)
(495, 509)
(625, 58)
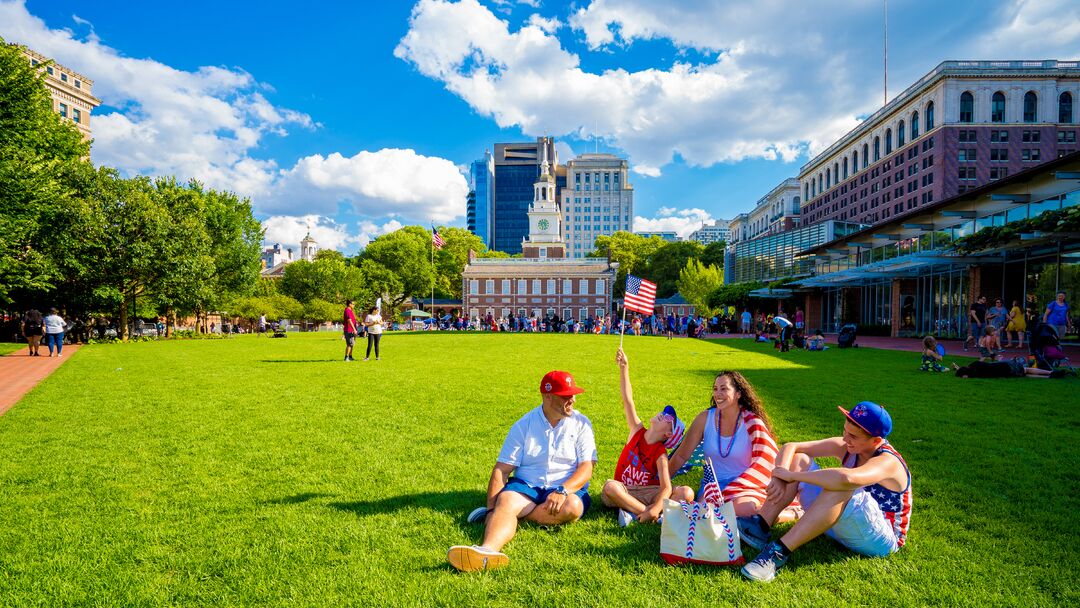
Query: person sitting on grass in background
(989, 345)
(1013, 368)
(816, 341)
(931, 355)
(542, 475)
(864, 505)
(798, 340)
(642, 481)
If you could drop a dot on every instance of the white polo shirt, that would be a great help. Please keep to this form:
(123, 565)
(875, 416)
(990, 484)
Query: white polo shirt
(546, 456)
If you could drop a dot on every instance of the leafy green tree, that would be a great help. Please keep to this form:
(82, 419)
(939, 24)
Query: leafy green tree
(666, 264)
(697, 282)
(450, 261)
(379, 282)
(321, 311)
(406, 253)
(713, 255)
(633, 253)
(736, 294)
(38, 151)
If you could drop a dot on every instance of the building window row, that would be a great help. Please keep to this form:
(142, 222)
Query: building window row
(1030, 107)
(539, 287)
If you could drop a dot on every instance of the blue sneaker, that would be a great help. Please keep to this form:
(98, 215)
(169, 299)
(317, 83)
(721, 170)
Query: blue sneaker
(752, 531)
(477, 515)
(764, 567)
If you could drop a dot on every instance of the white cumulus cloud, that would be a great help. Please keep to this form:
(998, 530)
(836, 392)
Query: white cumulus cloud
(668, 219)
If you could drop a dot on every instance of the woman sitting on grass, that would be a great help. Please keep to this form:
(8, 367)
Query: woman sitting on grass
(932, 355)
(990, 345)
(735, 433)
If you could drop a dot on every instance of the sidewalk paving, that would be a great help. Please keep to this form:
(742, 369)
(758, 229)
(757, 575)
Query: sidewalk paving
(952, 347)
(21, 372)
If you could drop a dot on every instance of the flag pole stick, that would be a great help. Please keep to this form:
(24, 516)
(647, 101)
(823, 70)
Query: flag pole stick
(431, 308)
(622, 326)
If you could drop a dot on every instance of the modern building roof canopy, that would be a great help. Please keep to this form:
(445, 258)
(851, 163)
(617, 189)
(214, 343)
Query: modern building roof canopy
(947, 213)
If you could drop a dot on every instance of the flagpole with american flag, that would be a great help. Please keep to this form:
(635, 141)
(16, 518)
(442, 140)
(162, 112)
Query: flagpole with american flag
(640, 297)
(437, 242)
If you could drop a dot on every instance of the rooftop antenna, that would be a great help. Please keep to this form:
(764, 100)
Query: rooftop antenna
(885, 5)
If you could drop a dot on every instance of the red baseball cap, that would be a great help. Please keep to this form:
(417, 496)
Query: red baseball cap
(559, 383)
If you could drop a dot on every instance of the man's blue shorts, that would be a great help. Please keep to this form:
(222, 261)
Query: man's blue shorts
(539, 495)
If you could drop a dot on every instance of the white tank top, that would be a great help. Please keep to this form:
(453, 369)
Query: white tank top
(738, 458)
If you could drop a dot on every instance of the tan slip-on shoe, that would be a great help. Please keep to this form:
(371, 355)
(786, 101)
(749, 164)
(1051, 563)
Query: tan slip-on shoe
(471, 559)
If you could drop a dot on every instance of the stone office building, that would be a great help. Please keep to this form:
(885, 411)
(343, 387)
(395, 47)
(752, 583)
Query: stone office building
(960, 127)
(70, 90)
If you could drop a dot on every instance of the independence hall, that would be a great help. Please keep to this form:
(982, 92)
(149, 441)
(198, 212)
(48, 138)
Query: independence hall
(544, 282)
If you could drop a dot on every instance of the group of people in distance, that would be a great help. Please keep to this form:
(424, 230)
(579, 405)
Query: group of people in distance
(372, 326)
(543, 471)
(49, 329)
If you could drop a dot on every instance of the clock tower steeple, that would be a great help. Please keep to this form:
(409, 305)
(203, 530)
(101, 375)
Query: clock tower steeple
(545, 221)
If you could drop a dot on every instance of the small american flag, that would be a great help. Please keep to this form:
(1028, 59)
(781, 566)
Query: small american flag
(640, 295)
(437, 240)
(710, 489)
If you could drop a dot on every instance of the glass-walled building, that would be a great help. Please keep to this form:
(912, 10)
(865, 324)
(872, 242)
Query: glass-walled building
(772, 257)
(482, 198)
(516, 168)
(907, 277)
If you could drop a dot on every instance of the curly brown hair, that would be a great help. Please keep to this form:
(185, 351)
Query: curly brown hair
(748, 399)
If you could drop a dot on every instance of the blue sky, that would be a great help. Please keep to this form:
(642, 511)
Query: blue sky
(356, 118)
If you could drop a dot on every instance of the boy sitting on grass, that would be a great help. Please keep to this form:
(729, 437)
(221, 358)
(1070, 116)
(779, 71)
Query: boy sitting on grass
(642, 481)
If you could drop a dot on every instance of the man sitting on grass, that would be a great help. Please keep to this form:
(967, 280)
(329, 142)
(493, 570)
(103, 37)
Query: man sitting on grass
(642, 481)
(865, 505)
(551, 453)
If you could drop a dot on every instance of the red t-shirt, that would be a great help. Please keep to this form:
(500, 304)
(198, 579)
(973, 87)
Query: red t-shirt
(350, 321)
(637, 463)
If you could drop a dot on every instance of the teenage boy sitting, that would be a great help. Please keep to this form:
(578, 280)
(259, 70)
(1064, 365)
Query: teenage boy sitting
(642, 481)
(865, 505)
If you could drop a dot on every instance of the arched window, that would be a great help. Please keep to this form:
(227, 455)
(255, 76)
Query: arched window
(836, 173)
(865, 155)
(900, 135)
(796, 205)
(929, 117)
(1031, 107)
(855, 161)
(888, 141)
(845, 167)
(914, 125)
(1065, 107)
(967, 107)
(806, 191)
(997, 107)
(877, 149)
(828, 180)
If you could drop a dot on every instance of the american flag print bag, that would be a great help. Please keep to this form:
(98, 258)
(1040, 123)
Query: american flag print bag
(701, 532)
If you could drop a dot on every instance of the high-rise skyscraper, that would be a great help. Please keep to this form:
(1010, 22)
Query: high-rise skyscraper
(516, 168)
(597, 199)
(481, 201)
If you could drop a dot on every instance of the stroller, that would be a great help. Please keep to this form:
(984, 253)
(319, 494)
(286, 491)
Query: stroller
(847, 336)
(1046, 348)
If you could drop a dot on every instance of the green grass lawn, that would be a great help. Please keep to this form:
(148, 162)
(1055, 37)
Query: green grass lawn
(257, 471)
(10, 347)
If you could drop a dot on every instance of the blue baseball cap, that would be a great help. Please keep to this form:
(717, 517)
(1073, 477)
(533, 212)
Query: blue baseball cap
(678, 428)
(870, 417)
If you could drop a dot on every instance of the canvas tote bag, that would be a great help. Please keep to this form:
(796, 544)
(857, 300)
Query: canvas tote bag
(700, 533)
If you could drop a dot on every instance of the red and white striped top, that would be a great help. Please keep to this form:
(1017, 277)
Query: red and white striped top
(755, 479)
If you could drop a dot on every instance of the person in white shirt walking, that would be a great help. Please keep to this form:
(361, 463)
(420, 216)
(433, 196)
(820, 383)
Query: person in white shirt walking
(550, 453)
(374, 324)
(54, 332)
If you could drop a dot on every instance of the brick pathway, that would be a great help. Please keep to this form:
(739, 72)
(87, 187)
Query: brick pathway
(20, 372)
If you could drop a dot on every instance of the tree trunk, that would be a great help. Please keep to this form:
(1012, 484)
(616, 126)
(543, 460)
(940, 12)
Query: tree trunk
(122, 327)
(170, 320)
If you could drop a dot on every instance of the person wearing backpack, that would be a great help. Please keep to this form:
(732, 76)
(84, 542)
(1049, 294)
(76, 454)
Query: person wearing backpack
(32, 328)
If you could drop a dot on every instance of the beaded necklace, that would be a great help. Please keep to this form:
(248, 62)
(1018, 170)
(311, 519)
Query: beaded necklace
(720, 436)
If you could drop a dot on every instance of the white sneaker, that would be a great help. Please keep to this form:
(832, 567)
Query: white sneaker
(477, 515)
(471, 559)
(625, 518)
